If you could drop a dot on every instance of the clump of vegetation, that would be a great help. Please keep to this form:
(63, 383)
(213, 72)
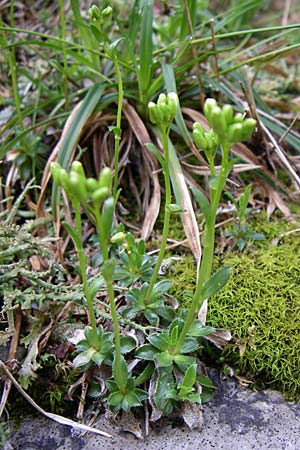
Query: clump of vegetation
(97, 74)
(260, 305)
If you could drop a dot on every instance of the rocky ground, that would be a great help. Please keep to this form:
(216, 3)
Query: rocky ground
(236, 419)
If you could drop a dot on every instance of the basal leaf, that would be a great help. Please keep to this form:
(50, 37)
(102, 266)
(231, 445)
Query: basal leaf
(163, 359)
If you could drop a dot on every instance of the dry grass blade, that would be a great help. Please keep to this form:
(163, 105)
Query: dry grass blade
(57, 418)
(143, 138)
(282, 156)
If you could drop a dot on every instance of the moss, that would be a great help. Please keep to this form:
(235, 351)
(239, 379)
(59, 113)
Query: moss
(260, 305)
(183, 279)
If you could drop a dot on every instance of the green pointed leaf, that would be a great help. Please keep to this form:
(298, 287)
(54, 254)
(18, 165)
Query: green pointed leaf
(174, 336)
(205, 381)
(163, 359)
(75, 237)
(203, 202)
(157, 154)
(197, 329)
(183, 360)
(115, 399)
(145, 375)
(146, 352)
(190, 376)
(98, 358)
(92, 338)
(174, 208)
(159, 340)
(152, 317)
(108, 269)
(243, 202)
(127, 344)
(84, 358)
(216, 282)
(120, 373)
(190, 344)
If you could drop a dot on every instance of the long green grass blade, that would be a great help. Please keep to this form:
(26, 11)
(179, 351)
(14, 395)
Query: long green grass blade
(146, 48)
(72, 134)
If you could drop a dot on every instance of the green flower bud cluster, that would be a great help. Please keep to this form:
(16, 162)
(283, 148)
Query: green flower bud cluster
(77, 186)
(230, 128)
(207, 141)
(163, 112)
(97, 17)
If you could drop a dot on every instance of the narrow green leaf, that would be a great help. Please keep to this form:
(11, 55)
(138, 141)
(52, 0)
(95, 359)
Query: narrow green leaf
(184, 361)
(190, 344)
(197, 329)
(146, 352)
(75, 238)
(160, 341)
(243, 202)
(190, 376)
(127, 344)
(157, 154)
(84, 358)
(121, 376)
(216, 282)
(203, 202)
(174, 208)
(145, 375)
(146, 46)
(163, 359)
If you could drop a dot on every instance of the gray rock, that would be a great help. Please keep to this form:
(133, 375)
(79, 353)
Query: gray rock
(236, 419)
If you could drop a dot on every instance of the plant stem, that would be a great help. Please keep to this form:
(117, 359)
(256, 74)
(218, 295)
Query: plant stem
(208, 252)
(83, 268)
(165, 136)
(111, 296)
(118, 130)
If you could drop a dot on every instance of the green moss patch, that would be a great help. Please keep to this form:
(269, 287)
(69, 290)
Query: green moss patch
(260, 305)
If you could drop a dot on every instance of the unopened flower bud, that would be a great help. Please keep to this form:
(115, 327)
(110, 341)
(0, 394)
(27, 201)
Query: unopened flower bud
(64, 180)
(118, 238)
(105, 178)
(238, 118)
(94, 13)
(106, 12)
(228, 114)
(77, 186)
(234, 134)
(248, 128)
(99, 195)
(209, 104)
(55, 169)
(92, 184)
(78, 168)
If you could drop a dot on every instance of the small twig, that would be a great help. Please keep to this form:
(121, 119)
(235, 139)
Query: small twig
(84, 390)
(147, 426)
(281, 155)
(289, 129)
(57, 418)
